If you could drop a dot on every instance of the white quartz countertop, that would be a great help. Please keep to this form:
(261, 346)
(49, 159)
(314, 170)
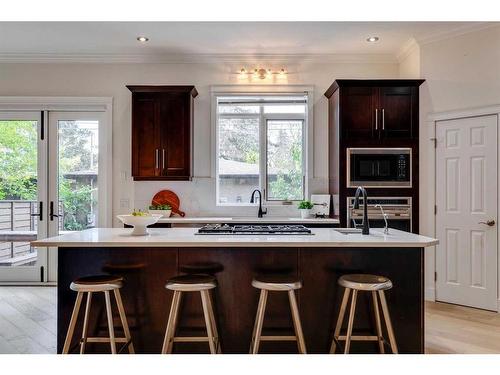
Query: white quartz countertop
(250, 220)
(187, 237)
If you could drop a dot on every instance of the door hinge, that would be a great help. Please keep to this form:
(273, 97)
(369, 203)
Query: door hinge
(41, 274)
(435, 276)
(435, 209)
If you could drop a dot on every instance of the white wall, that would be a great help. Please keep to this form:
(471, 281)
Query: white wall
(198, 196)
(461, 72)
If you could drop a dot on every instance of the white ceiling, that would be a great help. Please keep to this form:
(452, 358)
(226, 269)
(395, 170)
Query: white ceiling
(52, 39)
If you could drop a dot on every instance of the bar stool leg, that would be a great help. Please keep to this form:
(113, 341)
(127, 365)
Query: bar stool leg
(123, 319)
(171, 324)
(377, 323)
(208, 321)
(296, 322)
(388, 324)
(214, 323)
(85, 323)
(340, 319)
(259, 321)
(351, 321)
(109, 313)
(72, 323)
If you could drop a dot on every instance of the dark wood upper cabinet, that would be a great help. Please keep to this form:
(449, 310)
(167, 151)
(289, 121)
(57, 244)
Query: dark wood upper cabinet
(358, 112)
(162, 131)
(379, 109)
(398, 106)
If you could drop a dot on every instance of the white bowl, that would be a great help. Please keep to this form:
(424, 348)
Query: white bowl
(164, 213)
(139, 223)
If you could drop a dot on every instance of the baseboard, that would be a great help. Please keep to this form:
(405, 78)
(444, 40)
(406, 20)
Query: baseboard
(430, 294)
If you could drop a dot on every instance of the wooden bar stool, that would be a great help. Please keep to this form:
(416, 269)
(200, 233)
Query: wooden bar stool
(192, 283)
(364, 283)
(268, 284)
(90, 285)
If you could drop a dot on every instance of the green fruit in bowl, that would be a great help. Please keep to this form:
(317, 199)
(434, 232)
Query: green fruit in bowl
(140, 213)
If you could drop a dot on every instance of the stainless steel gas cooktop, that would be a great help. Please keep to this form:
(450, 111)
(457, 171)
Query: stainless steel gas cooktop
(253, 229)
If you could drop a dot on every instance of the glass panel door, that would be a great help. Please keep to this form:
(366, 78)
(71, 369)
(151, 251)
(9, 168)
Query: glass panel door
(23, 192)
(74, 169)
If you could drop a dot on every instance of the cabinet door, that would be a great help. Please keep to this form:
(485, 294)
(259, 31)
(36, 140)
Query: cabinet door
(398, 109)
(145, 137)
(358, 112)
(175, 136)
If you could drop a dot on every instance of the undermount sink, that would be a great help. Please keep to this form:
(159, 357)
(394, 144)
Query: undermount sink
(348, 230)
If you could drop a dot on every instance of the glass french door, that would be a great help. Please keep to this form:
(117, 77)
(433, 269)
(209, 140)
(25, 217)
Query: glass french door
(73, 180)
(23, 196)
(49, 167)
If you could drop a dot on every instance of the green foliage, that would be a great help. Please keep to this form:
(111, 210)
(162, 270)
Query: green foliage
(76, 204)
(18, 160)
(160, 207)
(305, 205)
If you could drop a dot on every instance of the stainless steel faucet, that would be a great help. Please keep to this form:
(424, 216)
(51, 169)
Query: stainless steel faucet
(384, 215)
(252, 200)
(366, 225)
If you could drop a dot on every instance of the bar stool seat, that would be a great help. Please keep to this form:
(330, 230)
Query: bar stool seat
(365, 282)
(89, 285)
(192, 283)
(277, 283)
(376, 285)
(96, 283)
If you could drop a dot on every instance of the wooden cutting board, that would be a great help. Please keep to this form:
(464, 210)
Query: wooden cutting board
(170, 198)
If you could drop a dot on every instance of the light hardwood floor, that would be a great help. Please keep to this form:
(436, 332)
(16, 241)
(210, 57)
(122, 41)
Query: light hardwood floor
(28, 324)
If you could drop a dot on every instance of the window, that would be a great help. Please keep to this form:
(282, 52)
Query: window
(261, 144)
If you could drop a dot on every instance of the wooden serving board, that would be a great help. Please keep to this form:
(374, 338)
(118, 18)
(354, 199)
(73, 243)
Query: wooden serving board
(170, 198)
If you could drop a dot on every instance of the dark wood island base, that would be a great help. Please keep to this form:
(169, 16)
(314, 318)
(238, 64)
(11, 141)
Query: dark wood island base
(147, 302)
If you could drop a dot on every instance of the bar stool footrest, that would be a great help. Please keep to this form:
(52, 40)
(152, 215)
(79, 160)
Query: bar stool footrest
(278, 338)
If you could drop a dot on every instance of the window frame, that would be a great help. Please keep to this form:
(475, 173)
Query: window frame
(307, 149)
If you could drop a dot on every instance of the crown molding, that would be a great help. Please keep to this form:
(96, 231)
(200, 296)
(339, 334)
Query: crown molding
(195, 58)
(456, 31)
(406, 49)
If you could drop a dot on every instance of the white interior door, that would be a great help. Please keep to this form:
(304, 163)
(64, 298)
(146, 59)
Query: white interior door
(467, 206)
(23, 196)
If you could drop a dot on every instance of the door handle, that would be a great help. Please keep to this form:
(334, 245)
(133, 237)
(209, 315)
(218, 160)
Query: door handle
(376, 118)
(157, 157)
(162, 159)
(40, 211)
(489, 223)
(52, 215)
(383, 119)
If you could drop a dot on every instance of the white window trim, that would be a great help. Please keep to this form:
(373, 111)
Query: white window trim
(231, 90)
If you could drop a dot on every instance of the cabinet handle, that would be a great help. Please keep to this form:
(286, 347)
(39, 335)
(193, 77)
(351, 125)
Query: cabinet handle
(157, 157)
(383, 119)
(376, 119)
(163, 159)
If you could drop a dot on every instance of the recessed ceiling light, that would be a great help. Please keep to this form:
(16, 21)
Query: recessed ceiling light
(142, 39)
(372, 39)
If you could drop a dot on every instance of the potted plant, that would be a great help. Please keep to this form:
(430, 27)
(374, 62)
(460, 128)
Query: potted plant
(305, 209)
(162, 209)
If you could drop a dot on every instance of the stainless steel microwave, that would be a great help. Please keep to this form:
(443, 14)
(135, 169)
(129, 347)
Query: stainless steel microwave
(379, 167)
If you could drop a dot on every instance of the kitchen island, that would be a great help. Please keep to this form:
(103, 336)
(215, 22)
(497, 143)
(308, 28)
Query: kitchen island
(318, 259)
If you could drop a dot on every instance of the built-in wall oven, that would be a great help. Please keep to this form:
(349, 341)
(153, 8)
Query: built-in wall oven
(397, 209)
(379, 167)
